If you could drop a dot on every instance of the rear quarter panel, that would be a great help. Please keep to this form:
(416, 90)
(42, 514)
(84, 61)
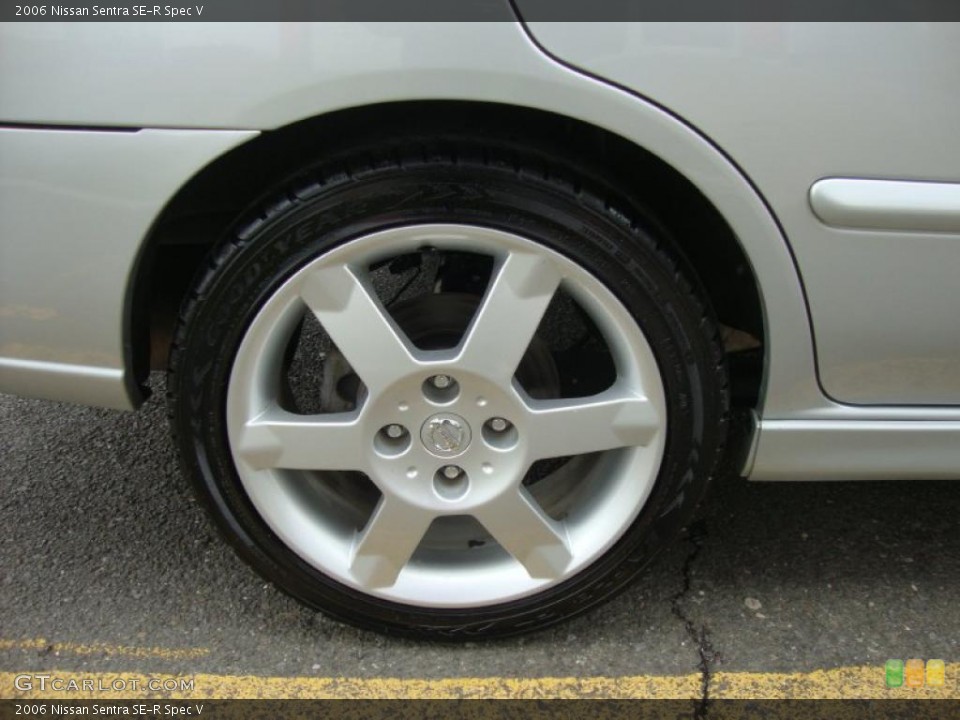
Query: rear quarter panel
(792, 103)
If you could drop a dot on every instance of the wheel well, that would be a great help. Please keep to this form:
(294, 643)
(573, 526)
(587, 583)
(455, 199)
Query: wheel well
(213, 200)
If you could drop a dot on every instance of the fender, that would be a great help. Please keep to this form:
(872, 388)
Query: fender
(291, 74)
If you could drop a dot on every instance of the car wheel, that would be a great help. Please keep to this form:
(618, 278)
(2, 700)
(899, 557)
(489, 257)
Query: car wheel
(450, 393)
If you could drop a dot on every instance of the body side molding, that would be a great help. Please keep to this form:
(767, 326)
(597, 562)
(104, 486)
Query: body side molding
(887, 204)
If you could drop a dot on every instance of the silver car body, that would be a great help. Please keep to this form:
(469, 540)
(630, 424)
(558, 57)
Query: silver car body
(831, 150)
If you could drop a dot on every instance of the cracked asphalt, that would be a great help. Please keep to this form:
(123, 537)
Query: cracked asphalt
(105, 547)
(698, 633)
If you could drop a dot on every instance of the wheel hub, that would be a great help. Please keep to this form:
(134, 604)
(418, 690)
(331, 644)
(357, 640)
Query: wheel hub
(446, 435)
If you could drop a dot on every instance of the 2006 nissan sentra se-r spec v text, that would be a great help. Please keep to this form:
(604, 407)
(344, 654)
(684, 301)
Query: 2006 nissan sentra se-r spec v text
(458, 319)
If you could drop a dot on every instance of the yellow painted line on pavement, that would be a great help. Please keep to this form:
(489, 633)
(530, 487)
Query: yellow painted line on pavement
(130, 651)
(840, 683)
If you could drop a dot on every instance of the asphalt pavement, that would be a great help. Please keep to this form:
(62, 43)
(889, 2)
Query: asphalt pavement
(109, 565)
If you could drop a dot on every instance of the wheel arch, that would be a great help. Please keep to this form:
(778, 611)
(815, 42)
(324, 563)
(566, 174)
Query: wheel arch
(730, 270)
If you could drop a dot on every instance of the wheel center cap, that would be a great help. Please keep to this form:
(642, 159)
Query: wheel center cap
(446, 435)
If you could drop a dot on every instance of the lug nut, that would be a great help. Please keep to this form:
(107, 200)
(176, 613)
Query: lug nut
(441, 381)
(498, 424)
(394, 431)
(451, 472)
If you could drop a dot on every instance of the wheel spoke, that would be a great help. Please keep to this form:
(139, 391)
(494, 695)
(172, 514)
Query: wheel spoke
(280, 439)
(503, 327)
(603, 422)
(387, 542)
(538, 542)
(350, 313)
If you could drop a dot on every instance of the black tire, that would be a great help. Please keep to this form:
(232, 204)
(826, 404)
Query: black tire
(468, 182)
